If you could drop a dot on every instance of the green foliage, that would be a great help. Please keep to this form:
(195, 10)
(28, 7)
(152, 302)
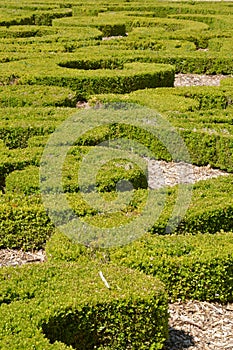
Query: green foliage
(207, 213)
(16, 160)
(86, 81)
(23, 181)
(11, 17)
(36, 96)
(201, 115)
(109, 175)
(192, 267)
(19, 124)
(23, 222)
(51, 56)
(67, 305)
(24, 31)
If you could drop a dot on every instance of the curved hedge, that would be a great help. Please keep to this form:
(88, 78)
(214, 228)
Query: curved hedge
(66, 306)
(108, 177)
(84, 82)
(36, 96)
(25, 223)
(191, 267)
(10, 17)
(201, 115)
(19, 124)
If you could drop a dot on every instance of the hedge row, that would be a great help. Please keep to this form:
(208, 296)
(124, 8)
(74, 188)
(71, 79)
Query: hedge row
(31, 39)
(219, 22)
(184, 62)
(36, 96)
(25, 31)
(25, 224)
(155, 8)
(120, 23)
(10, 17)
(191, 267)
(109, 175)
(66, 306)
(19, 124)
(85, 81)
(201, 115)
(17, 159)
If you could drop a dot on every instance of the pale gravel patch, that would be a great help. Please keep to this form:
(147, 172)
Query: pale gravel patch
(161, 173)
(13, 257)
(198, 80)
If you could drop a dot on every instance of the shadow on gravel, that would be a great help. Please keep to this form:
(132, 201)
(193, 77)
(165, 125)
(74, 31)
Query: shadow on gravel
(178, 340)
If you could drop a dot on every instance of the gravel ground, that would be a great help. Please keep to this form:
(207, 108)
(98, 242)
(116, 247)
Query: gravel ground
(198, 80)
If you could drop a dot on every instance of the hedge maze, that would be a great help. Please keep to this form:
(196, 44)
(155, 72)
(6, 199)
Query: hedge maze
(56, 55)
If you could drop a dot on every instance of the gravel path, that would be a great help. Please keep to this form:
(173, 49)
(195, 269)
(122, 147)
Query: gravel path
(198, 80)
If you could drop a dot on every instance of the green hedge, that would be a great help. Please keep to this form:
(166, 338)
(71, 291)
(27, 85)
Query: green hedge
(25, 224)
(108, 176)
(19, 124)
(227, 82)
(10, 17)
(156, 8)
(222, 22)
(201, 115)
(59, 40)
(191, 267)
(84, 80)
(119, 23)
(36, 96)
(24, 31)
(66, 306)
(17, 159)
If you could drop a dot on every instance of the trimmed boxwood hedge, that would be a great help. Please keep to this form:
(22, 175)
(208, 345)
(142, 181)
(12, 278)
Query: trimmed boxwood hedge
(192, 267)
(19, 124)
(36, 96)
(85, 80)
(67, 306)
(109, 175)
(16, 160)
(10, 17)
(201, 115)
(25, 223)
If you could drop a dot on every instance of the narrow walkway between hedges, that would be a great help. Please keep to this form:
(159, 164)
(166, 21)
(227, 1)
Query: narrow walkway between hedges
(198, 79)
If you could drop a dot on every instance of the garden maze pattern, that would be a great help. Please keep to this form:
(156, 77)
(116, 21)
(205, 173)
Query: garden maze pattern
(56, 55)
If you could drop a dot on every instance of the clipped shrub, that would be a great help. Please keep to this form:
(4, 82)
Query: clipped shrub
(85, 82)
(23, 181)
(201, 115)
(24, 31)
(108, 26)
(191, 267)
(17, 159)
(66, 306)
(110, 177)
(10, 17)
(36, 96)
(19, 124)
